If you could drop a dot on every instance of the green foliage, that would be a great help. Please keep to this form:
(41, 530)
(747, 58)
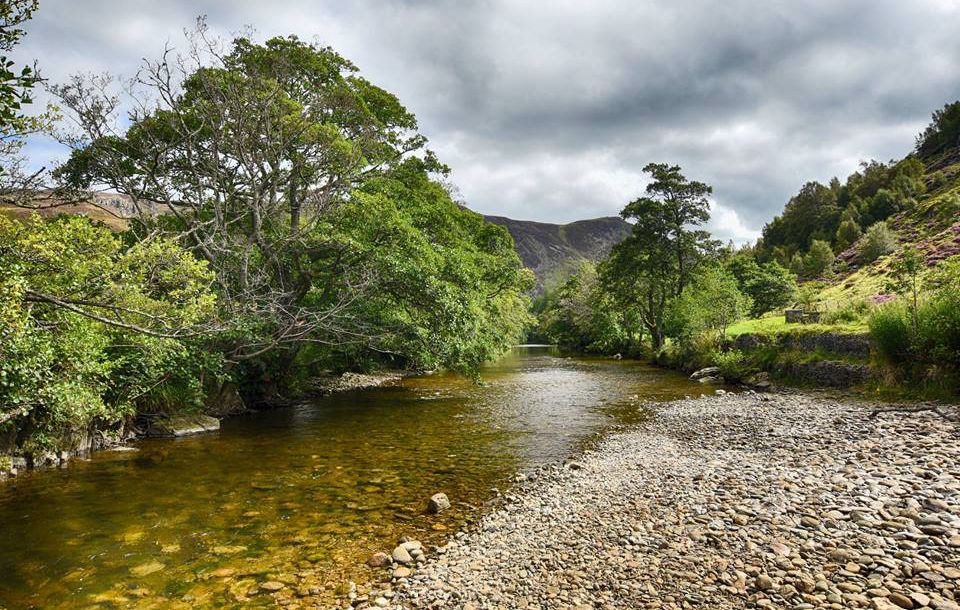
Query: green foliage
(904, 278)
(15, 85)
(297, 181)
(447, 285)
(878, 241)
(883, 205)
(709, 304)
(812, 213)
(798, 265)
(808, 297)
(768, 286)
(734, 365)
(942, 133)
(91, 328)
(17, 180)
(818, 260)
(850, 312)
(835, 214)
(922, 342)
(581, 317)
(847, 234)
(938, 180)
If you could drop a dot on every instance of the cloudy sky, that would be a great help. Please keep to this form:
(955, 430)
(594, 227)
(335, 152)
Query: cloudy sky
(547, 110)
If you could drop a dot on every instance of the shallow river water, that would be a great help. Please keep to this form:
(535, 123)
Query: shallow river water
(303, 495)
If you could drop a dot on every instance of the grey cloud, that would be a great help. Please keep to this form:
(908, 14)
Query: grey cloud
(548, 110)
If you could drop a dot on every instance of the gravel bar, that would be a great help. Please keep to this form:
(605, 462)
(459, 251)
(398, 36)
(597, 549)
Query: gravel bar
(733, 501)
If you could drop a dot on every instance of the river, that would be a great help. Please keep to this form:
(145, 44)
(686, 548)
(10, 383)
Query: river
(303, 495)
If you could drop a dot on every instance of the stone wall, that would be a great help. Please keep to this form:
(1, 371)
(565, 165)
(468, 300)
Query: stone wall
(841, 344)
(825, 373)
(829, 374)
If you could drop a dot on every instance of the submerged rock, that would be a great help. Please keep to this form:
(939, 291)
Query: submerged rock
(147, 568)
(379, 560)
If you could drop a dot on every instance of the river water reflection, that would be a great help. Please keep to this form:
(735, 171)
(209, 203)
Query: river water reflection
(302, 495)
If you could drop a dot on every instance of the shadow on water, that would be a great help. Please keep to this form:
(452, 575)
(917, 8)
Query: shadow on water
(315, 489)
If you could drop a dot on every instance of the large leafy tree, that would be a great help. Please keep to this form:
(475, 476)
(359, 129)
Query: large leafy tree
(580, 315)
(16, 86)
(810, 214)
(768, 285)
(307, 190)
(655, 262)
(709, 304)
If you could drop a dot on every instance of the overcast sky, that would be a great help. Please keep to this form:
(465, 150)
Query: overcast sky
(547, 110)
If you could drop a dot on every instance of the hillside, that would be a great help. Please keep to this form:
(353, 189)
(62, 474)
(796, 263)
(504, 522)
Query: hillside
(845, 238)
(931, 226)
(553, 250)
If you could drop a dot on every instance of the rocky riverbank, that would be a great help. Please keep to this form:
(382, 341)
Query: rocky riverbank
(734, 501)
(227, 404)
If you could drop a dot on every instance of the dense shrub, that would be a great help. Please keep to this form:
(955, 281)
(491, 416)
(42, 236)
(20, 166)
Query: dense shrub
(733, 365)
(849, 312)
(709, 304)
(818, 260)
(891, 333)
(578, 315)
(938, 329)
(769, 286)
(878, 241)
(922, 345)
(847, 234)
(93, 329)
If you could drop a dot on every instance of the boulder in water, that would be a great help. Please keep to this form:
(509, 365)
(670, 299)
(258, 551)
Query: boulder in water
(710, 371)
(438, 503)
(169, 426)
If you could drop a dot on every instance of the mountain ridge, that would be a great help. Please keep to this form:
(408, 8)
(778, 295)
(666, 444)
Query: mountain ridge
(552, 251)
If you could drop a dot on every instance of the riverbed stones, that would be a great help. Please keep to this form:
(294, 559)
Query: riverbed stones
(733, 501)
(145, 569)
(438, 503)
(407, 552)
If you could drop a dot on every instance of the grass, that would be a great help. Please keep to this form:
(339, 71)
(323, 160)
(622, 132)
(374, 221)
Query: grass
(773, 325)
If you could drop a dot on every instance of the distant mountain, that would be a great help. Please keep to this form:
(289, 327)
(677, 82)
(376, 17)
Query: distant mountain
(552, 251)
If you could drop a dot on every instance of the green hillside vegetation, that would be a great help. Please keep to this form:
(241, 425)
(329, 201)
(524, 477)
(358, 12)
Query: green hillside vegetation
(876, 253)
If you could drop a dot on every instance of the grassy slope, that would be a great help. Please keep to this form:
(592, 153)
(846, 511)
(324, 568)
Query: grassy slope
(96, 214)
(776, 325)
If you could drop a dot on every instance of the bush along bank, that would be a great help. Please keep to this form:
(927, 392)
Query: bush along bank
(830, 360)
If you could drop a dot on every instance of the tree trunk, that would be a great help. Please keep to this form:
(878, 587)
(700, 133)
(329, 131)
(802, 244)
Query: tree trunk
(295, 205)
